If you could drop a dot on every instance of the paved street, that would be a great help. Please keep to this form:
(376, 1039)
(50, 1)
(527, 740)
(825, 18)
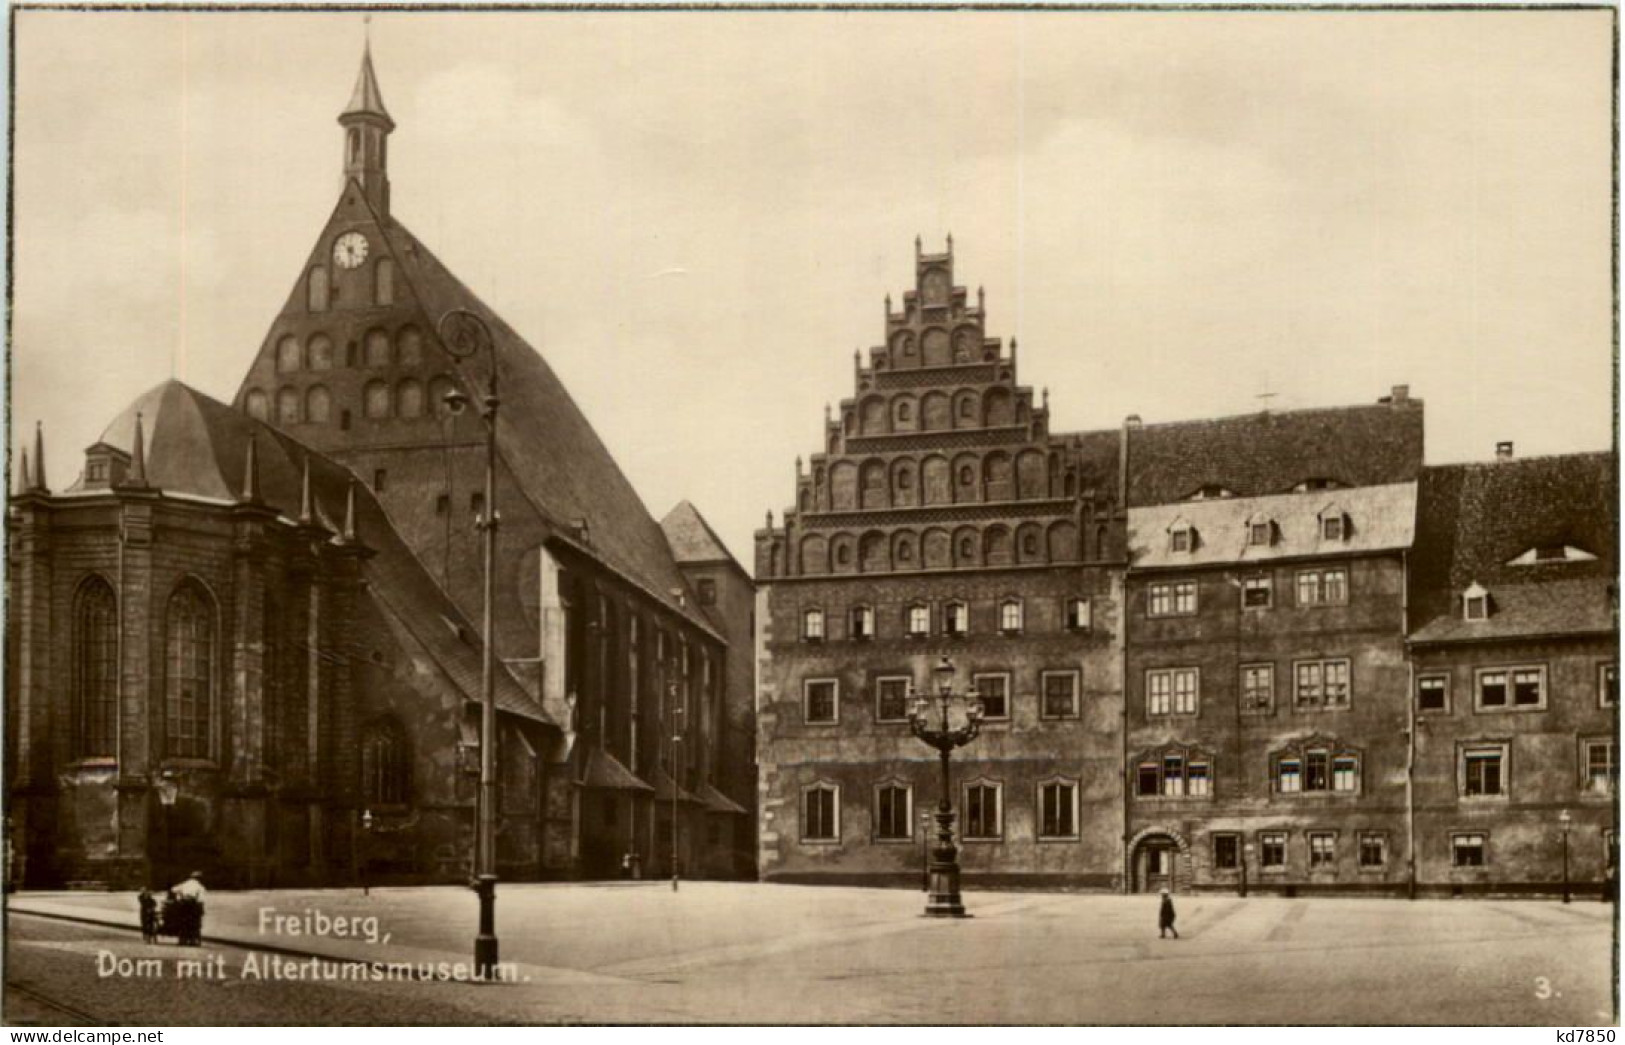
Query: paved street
(762, 953)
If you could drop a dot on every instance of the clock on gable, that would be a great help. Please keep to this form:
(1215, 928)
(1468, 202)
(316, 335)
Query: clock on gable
(350, 250)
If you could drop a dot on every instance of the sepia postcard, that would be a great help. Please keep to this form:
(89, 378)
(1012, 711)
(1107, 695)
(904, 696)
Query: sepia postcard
(474, 558)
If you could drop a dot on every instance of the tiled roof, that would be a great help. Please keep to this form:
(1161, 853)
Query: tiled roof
(1473, 520)
(717, 802)
(691, 538)
(603, 771)
(1265, 453)
(1377, 518)
(197, 447)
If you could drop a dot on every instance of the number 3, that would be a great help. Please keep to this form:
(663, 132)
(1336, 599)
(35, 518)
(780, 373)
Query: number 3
(1543, 988)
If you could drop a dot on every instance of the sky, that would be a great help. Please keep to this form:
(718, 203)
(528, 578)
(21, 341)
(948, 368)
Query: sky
(695, 216)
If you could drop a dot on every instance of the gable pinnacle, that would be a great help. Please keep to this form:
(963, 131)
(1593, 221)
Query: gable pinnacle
(138, 457)
(25, 481)
(306, 514)
(251, 471)
(39, 458)
(348, 536)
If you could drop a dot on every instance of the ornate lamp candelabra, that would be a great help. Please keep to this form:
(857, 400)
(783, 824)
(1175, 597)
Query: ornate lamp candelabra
(942, 900)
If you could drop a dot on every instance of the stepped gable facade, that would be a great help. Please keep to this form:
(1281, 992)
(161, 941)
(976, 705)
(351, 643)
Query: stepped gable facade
(941, 517)
(220, 655)
(593, 612)
(1514, 651)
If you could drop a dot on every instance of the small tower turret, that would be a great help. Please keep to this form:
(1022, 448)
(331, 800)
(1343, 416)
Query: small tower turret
(367, 126)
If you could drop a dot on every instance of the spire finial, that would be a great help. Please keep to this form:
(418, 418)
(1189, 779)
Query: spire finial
(39, 458)
(917, 249)
(770, 518)
(25, 481)
(306, 513)
(950, 243)
(827, 415)
(251, 471)
(138, 457)
(348, 536)
(1046, 397)
(979, 299)
(798, 464)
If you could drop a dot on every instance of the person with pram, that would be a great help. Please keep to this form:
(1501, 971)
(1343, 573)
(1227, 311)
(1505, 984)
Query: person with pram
(181, 914)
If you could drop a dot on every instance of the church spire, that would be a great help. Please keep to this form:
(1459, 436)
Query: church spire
(367, 125)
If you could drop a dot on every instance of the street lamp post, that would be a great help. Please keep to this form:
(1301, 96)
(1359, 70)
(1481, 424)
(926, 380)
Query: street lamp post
(676, 772)
(462, 335)
(925, 851)
(943, 899)
(1246, 851)
(366, 849)
(1564, 819)
(168, 791)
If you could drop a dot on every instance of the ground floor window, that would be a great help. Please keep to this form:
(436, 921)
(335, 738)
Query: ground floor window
(1601, 766)
(983, 801)
(820, 813)
(1226, 852)
(1272, 850)
(1467, 850)
(1058, 809)
(1373, 851)
(1322, 850)
(893, 819)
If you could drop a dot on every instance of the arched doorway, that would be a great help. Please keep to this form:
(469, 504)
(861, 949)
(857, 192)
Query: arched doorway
(1159, 859)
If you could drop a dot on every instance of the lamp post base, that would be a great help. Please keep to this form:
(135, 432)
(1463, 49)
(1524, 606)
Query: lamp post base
(485, 944)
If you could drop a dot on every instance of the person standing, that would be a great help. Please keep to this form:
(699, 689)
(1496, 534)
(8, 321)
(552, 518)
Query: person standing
(189, 894)
(1165, 917)
(149, 915)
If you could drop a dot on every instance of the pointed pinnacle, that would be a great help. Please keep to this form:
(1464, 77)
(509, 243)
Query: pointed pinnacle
(25, 481)
(348, 536)
(39, 457)
(251, 471)
(138, 457)
(306, 513)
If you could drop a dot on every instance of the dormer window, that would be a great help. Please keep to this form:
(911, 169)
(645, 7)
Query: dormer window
(1554, 552)
(1181, 537)
(1475, 602)
(1317, 483)
(863, 623)
(105, 466)
(1260, 531)
(1210, 492)
(1334, 523)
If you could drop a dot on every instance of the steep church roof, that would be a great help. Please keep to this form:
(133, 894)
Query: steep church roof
(197, 447)
(692, 540)
(367, 99)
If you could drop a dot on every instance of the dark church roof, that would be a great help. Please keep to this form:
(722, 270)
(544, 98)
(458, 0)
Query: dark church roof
(1267, 453)
(1480, 524)
(692, 540)
(197, 447)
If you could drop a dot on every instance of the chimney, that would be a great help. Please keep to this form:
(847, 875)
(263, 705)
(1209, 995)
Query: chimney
(1400, 395)
(1503, 451)
(1133, 421)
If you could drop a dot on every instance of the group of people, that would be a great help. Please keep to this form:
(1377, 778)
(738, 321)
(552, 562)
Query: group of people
(181, 915)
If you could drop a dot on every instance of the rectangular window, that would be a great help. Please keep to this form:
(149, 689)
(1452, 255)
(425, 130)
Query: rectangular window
(1288, 776)
(863, 623)
(1258, 534)
(1324, 587)
(1173, 776)
(1373, 851)
(1345, 773)
(1172, 599)
(1172, 691)
(1512, 688)
(820, 704)
(1608, 686)
(1010, 617)
(1315, 775)
(1272, 851)
(1226, 852)
(1331, 527)
(1078, 614)
(955, 619)
(891, 699)
(994, 691)
(812, 626)
(1601, 767)
(1322, 850)
(1482, 771)
(1433, 693)
(476, 503)
(380, 476)
(442, 504)
(1257, 592)
(1467, 850)
(1057, 805)
(1199, 780)
(706, 589)
(919, 621)
(893, 813)
(1060, 698)
(1148, 780)
(1180, 540)
(1322, 684)
(1258, 688)
(982, 811)
(820, 814)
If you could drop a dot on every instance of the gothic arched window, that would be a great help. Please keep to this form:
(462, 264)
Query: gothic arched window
(259, 406)
(316, 290)
(409, 346)
(376, 399)
(288, 356)
(95, 674)
(189, 671)
(318, 405)
(383, 273)
(320, 351)
(409, 398)
(287, 406)
(378, 351)
(385, 765)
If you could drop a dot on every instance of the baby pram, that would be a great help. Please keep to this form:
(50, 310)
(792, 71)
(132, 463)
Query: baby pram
(182, 918)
